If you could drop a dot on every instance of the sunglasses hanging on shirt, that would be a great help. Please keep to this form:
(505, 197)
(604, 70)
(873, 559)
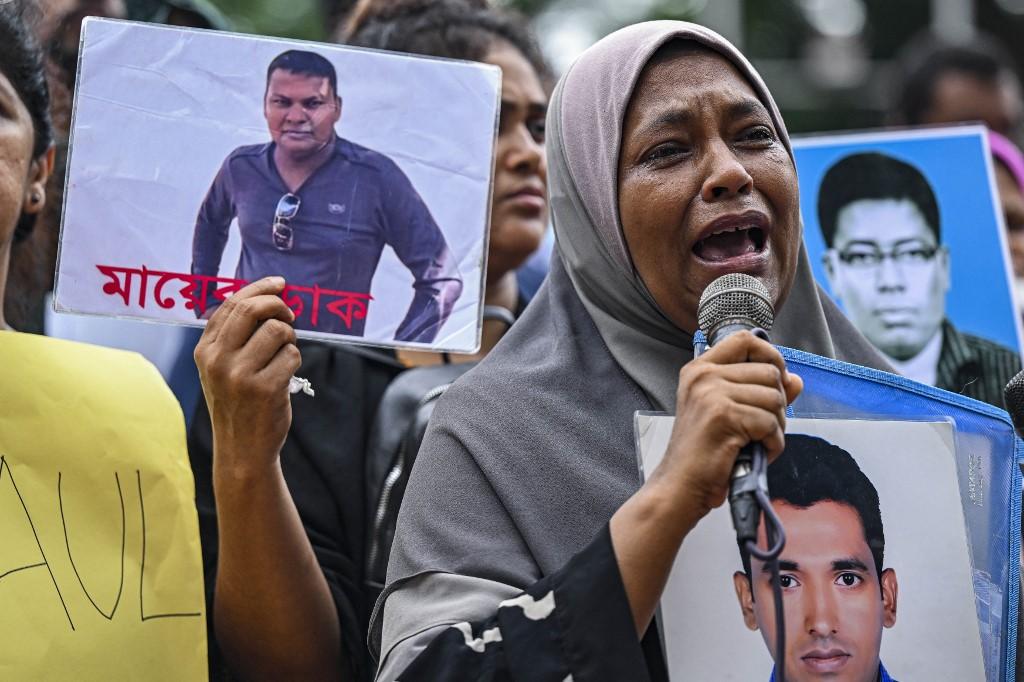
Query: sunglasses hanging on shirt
(282, 233)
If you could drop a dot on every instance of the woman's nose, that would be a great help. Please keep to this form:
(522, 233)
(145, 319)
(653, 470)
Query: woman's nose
(726, 177)
(523, 153)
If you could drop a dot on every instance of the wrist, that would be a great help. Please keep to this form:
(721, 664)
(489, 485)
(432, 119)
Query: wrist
(672, 509)
(234, 466)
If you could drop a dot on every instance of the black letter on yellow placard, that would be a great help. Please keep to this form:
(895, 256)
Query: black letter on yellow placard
(67, 543)
(44, 562)
(142, 569)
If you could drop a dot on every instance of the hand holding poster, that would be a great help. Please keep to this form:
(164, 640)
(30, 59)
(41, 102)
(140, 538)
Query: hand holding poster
(361, 177)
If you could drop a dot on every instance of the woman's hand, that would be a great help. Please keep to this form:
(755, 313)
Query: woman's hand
(734, 394)
(246, 356)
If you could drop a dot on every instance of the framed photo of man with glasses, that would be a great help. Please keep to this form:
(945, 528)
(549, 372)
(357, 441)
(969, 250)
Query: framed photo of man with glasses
(361, 177)
(905, 232)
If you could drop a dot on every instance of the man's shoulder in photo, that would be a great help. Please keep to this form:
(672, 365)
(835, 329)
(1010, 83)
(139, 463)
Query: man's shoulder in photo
(247, 151)
(369, 158)
(987, 350)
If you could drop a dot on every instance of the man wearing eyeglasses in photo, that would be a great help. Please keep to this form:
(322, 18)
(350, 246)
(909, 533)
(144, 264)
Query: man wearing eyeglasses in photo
(318, 209)
(885, 262)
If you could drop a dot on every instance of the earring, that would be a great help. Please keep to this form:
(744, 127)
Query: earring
(36, 197)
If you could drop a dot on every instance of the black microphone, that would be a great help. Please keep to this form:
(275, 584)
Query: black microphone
(732, 303)
(1013, 396)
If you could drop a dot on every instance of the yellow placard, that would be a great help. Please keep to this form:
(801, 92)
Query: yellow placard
(100, 570)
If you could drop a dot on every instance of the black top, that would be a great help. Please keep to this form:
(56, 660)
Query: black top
(574, 624)
(323, 462)
(351, 207)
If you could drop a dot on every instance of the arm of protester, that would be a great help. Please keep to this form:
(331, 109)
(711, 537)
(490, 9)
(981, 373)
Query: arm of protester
(585, 620)
(419, 243)
(273, 612)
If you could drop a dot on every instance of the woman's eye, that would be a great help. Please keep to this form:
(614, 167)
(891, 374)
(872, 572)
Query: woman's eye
(762, 135)
(665, 151)
(538, 129)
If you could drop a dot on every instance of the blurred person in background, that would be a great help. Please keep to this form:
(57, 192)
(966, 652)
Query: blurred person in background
(1009, 172)
(943, 83)
(60, 30)
(288, 601)
(61, 27)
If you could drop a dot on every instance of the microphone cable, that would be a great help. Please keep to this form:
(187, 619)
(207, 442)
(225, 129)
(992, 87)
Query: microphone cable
(776, 541)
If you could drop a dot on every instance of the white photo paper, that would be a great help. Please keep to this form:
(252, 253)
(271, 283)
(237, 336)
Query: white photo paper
(203, 160)
(876, 571)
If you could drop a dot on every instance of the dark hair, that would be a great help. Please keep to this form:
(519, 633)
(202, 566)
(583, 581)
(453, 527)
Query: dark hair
(305, 63)
(872, 175)
(457, 29)
(22, 62)
(812, 470)
(927, 60)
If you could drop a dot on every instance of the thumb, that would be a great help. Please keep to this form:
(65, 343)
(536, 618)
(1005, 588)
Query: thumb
(794, 386)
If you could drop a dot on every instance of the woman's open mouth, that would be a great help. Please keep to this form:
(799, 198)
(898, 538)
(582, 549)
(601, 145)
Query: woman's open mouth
(733, 240)
(729, 243)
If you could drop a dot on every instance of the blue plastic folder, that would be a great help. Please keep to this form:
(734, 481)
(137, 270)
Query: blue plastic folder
(988, 453)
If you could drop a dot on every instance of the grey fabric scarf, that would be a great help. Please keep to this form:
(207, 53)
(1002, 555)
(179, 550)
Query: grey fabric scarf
(530, 453)
(584, 133)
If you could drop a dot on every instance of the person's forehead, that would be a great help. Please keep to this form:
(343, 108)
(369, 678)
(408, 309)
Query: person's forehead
(962, 96)
(682, 78)
(519, 80)
(11, 99)
(284, 80)
(882, 221)
(821, 534)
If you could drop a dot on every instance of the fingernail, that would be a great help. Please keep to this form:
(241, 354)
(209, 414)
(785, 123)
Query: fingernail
(276, 280)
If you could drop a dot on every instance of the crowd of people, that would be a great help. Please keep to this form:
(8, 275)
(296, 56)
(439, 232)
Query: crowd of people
(523, 525)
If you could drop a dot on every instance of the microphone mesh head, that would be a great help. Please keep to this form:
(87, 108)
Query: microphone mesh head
(734, 298)
(1013, 395)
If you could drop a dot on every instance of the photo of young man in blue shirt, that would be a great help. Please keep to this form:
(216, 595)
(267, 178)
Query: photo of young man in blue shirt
(318, 210)
(837, 596)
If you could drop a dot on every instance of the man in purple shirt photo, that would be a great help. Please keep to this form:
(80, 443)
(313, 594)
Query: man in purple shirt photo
(318, 210)
(837, 597)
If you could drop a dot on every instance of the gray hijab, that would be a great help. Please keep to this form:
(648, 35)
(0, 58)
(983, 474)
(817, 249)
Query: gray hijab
(529, 454)
(584, 133)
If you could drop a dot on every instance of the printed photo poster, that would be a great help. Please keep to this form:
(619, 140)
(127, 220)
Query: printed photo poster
(904, 230)
(876, 573)
(202, 160)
